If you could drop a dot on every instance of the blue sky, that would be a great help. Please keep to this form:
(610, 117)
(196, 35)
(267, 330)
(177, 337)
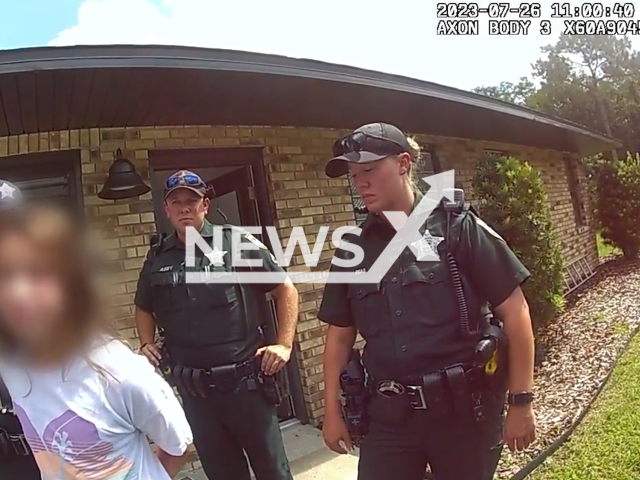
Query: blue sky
(395, 37)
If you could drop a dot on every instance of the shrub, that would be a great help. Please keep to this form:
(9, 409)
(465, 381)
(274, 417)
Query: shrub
(513, 201)
(616, 194)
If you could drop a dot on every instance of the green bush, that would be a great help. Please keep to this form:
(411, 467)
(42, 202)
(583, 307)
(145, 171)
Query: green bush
(513, 201)
(616, 195)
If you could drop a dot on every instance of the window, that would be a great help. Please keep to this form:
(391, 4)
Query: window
(494, 153)
(429, 164)
(575, 190)
(52, 176)
(359, 208)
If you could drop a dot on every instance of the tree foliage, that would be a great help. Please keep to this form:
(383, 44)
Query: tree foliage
(509, 92)
(514, 202)
(616, 195)
(592, 80)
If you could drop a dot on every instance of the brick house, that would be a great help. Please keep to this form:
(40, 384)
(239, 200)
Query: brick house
(260, 128)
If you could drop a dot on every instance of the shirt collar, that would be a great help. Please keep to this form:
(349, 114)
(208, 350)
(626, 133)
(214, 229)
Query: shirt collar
(374, 221)
(205, 232)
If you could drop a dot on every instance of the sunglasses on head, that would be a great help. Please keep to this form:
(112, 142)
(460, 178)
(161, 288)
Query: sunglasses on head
(360, 141)
(188, 179)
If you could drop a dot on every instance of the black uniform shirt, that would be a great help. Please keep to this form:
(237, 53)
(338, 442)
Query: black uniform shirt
(212, 324)
(410, 320)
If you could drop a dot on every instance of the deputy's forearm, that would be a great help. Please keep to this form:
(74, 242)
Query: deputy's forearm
(286, 297)
(517, 327)
(339, 343)
(146, 326)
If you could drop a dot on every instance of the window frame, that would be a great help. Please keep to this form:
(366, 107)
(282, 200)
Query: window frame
(47, 165)
(576, 190)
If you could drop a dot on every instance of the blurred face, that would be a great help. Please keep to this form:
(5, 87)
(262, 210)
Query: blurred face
(32, 299)
(185, 208)
(380, 183)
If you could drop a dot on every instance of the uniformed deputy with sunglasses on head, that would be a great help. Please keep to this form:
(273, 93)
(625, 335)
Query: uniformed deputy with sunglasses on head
(16, 458)
(213, 346)
(440, 335)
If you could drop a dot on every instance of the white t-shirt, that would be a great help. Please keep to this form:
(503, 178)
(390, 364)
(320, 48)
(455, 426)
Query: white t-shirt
(95, 427)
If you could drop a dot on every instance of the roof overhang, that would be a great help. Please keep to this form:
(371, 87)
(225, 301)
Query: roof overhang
(61, 88)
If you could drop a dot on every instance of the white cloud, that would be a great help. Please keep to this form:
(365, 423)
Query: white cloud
(395, 37)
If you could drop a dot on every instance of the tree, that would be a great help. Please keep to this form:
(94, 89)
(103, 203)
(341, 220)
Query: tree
(509, 92)
(513, 201)
(617, 202)
(580, 76)
(586, 79)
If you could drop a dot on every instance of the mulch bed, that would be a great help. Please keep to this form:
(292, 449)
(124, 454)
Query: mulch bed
(577, 352)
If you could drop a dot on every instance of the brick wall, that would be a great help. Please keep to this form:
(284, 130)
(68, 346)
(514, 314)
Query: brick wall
(300, 193)
(461, 155)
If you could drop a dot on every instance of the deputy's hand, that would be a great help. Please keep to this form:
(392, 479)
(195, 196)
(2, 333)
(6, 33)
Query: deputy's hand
(274, 357)
(334, 431)
(519, 427)
(152, 352)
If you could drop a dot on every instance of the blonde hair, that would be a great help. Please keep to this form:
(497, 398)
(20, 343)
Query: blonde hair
(416, 157)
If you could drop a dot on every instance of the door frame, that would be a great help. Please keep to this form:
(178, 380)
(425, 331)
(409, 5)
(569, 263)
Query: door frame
(250, 157)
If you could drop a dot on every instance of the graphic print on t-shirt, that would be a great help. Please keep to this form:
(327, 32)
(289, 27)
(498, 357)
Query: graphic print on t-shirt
(70, 448)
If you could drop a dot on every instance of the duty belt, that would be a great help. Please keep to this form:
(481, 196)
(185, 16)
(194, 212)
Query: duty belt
(455, 389)
(13, 444)
(196, 381)
(226, 378)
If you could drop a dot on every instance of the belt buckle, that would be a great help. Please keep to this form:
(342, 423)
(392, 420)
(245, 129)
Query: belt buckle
(418, 402)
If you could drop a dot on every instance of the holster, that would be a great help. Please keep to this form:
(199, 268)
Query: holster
(166, 366)
(355, 397)
(492, 356)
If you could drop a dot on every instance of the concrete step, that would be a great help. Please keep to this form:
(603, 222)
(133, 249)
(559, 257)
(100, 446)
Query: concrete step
(308, 456)
(310, 459)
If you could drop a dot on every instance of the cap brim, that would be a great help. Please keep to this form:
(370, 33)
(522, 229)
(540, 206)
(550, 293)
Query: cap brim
(171, 190)
(338, 166)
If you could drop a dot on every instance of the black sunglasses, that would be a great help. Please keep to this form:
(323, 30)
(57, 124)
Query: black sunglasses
(360, 141)
(188, 179)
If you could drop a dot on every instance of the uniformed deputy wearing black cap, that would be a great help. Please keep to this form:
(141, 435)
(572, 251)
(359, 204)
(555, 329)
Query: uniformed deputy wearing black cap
(16, 459)
(217, 355)
(430, 402)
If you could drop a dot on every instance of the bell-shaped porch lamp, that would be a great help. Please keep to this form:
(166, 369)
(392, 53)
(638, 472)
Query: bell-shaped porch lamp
(123, 180)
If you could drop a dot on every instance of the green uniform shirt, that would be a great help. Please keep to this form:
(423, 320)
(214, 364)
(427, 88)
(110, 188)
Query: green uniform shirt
(212, 324)
(410, 320)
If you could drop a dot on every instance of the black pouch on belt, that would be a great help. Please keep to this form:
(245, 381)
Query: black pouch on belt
(224, 378)
(391, 403)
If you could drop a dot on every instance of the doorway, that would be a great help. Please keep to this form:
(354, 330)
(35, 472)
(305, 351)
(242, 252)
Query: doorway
(240, 198)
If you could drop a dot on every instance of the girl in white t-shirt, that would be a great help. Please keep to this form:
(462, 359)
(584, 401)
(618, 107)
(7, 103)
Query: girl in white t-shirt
(88, 405)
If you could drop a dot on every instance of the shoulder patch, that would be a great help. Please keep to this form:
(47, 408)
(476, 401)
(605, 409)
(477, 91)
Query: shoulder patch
(490, 230)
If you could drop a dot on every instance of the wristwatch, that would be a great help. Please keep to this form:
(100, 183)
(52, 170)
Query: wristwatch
(521, 398)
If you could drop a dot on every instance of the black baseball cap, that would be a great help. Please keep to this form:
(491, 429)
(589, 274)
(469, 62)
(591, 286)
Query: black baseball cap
(10, 195)
(185, 179)
(366, 144)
